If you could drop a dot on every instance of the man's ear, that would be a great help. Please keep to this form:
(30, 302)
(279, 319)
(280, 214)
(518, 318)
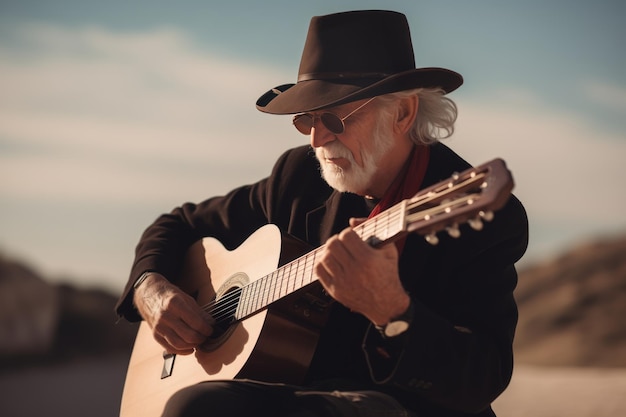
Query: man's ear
(406, 113)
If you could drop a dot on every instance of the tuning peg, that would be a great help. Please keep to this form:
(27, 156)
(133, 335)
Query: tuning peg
(432, 238)
(454, 231)
(487, 215)
(476, 223)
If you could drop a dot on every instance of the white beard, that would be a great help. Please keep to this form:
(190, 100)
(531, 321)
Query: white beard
(356, 179)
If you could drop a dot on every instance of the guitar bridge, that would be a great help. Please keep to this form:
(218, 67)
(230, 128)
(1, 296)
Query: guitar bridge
(168, 364)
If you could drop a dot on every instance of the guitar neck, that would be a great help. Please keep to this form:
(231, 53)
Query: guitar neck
(298, 273)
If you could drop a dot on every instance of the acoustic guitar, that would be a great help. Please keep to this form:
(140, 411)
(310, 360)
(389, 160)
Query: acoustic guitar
(268, 318)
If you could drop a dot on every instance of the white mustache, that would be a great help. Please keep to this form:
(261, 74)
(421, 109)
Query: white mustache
(334, 149)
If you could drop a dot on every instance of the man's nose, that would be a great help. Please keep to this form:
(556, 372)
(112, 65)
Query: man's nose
(320, 135)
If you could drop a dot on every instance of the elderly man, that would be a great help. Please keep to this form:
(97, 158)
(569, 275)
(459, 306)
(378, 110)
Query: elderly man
(412, 329)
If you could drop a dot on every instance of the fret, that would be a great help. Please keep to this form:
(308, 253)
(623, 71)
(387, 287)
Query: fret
(385, 225)
(242, 304)
(275, 285)
(291, 270)
(247, 299)
(266, 290)
(282, 282)
(261, 296)
(257, 295)
(250, 303)
(299, 278)
(269, 289)
(286, 279)
(310, 264)
(293, 275)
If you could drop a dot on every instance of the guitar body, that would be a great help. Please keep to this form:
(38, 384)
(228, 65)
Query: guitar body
(275, 344)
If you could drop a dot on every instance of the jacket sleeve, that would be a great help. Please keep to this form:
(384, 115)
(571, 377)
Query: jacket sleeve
(457, 353)
(230, 219)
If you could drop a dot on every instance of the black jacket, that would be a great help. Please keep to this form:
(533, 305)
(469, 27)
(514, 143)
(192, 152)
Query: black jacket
(437, 368)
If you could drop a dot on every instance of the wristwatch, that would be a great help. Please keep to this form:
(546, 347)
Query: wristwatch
(397, 325)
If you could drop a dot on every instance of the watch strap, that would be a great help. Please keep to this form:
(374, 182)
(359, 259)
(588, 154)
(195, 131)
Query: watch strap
(402, 322)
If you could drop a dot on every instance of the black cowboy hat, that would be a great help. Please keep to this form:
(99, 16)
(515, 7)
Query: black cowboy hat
(354, 55)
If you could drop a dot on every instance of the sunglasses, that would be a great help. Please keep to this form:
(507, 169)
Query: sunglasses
(304, 121)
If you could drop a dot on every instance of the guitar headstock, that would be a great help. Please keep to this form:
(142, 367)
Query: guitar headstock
(470, 196)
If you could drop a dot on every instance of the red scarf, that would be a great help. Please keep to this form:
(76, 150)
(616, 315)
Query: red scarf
(406, 185)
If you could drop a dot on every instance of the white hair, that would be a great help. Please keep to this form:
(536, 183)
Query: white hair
(436, 114)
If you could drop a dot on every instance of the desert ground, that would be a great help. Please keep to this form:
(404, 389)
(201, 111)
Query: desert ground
(93, 388)
(540, 391)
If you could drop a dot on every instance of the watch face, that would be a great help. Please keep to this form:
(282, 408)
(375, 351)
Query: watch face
(395, 328)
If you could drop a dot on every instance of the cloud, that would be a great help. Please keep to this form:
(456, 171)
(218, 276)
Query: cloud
(95, 110)
(606, 94)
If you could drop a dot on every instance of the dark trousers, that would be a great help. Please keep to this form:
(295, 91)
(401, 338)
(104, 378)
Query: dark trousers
(244, 398)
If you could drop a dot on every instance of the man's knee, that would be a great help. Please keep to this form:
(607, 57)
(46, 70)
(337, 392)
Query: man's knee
(184, 403)
(232, 398)
(199, 400)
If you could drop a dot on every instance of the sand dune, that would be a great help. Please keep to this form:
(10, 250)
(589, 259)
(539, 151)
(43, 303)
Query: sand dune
(540, 391)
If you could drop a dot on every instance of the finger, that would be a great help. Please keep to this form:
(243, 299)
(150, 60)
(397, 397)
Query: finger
(322, 275)
(332, 265)
(183, 337)
(355, 221)
(188, 336)
(197, 320)
(173, 326)
(336, 248)
(185, 309)
(325, 279)
(353, 246)
(390, 250)
(170, 348)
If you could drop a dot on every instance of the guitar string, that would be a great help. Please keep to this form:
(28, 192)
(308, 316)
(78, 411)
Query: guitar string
(227, 306)
(267, 288)
(266, 285)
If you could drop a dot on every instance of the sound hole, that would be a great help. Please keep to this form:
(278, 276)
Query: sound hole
(223, 310)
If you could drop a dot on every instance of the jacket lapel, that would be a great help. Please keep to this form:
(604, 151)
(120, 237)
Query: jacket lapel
(333, 216)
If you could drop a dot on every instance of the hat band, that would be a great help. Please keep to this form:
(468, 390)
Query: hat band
(340, 75)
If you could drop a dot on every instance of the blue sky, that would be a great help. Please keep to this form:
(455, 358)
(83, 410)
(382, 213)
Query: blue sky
(114, 112)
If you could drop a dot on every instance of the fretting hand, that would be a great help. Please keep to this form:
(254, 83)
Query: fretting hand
(362, 278)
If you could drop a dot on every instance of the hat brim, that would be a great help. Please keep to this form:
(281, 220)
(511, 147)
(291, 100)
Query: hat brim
(312, 95)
